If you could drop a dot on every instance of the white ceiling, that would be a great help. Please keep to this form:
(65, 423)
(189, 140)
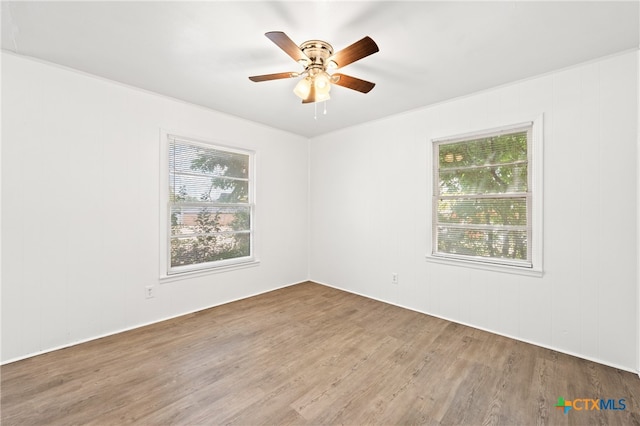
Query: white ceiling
(203, 52)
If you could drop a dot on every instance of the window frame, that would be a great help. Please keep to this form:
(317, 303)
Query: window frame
(169, 273)
(533, 266)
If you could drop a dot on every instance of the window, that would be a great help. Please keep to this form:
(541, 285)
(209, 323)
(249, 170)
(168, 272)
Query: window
(484, 198)
(209, 206)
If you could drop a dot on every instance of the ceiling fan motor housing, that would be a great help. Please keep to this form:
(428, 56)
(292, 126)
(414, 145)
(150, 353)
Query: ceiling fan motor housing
(318, 52)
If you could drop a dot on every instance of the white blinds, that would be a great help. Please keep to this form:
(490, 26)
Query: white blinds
(481, 200)
(210, 207)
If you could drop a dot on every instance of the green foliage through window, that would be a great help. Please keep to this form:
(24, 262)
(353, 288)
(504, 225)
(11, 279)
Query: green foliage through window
(210, 209)
(482, 199)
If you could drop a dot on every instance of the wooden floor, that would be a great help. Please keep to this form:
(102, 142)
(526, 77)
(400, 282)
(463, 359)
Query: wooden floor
(309, 354)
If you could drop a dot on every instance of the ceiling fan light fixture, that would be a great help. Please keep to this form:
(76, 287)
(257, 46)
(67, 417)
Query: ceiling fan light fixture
(303, 88)
(317, 57)
(322, 82)
(316, 96)
(321, 97)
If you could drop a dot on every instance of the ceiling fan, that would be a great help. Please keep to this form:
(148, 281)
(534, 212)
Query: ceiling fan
(317, 58)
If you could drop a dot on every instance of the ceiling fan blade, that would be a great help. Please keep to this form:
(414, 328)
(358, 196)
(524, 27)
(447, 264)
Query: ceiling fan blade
(358, 50)
(276, 76)
(352, 83)
(285, 43)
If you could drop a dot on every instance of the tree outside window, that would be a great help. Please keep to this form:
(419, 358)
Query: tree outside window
(210, 207)
(482, 198)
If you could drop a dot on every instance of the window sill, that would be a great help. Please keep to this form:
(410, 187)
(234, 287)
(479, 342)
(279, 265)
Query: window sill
(204, 272)
(485, 266)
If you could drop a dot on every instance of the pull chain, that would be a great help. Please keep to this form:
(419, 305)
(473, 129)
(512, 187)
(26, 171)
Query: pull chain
(315, 109)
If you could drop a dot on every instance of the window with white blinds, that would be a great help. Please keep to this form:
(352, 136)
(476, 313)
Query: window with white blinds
(482, 197)
(210, 206)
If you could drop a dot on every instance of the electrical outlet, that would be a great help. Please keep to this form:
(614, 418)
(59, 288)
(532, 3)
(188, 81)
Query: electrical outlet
(149, 291)
(394, 278)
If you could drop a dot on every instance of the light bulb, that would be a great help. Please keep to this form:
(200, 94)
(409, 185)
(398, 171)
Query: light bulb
(322, 83)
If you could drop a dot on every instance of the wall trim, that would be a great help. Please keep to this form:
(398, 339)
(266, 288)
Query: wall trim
(78, 342)
(123, 330)
(141, 90)
(608, 364)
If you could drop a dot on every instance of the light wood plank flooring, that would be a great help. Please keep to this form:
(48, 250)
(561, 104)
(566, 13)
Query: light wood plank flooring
(309, 354)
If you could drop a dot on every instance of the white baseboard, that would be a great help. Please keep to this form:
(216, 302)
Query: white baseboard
(599, 361)
(122, 330)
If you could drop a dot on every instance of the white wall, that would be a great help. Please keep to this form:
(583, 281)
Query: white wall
(370, 213)
(80, 199)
